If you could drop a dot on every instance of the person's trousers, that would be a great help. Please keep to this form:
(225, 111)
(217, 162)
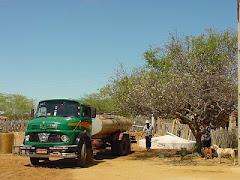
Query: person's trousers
(206, 143)
(148, 141)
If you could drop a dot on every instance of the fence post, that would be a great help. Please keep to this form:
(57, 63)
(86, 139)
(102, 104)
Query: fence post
(153, 124)
(173, 126)
(189, 134)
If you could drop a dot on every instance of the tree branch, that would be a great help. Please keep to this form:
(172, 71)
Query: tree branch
(185, 118)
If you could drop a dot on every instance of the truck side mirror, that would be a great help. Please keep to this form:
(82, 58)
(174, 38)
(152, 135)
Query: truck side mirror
(93, 112)
(32, 113)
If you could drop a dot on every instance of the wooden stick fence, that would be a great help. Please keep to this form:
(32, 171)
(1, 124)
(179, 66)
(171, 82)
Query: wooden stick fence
(13, 125)
(223, 137)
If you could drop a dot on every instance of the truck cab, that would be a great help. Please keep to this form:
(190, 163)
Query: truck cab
(60, 128)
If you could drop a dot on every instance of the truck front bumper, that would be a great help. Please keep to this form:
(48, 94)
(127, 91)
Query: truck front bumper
(49, 152)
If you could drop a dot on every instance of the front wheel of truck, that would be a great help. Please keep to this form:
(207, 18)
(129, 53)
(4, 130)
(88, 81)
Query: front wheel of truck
(82, 155)
(36, 161)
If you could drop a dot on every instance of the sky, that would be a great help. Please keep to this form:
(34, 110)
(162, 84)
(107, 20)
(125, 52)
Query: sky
(70, 48)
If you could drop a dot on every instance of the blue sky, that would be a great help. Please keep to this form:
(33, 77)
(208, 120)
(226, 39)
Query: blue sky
(68, 48)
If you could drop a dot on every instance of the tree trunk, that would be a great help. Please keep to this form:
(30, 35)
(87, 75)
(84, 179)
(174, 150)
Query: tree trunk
(197, 135)
(195, 128)
(198, 146)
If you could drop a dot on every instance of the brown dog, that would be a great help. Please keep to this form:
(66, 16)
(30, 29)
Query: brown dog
(207, 153)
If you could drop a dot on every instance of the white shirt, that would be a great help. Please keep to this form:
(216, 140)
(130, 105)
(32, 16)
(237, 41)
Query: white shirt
(148, 131)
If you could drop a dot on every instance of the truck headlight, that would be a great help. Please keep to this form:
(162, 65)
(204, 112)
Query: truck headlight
(27, 137)
(64, 138)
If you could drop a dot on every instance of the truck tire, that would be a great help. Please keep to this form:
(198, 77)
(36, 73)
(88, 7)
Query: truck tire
(34, 161)
(121, 147)
(89, 152)
(82, 155)
(115, 148)
(85, 154)
(124, 147)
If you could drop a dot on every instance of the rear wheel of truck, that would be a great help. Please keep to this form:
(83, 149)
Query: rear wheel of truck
(35, 161)
(114, 148)
(125, 146)
(121, 147)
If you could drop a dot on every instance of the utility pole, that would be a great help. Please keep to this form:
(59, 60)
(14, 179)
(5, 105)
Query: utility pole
(238, 13)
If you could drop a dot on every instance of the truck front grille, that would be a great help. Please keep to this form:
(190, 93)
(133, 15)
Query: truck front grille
(55, 138)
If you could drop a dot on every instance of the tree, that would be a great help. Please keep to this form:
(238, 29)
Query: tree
(194, 78)
(15, 106)
(101, 100)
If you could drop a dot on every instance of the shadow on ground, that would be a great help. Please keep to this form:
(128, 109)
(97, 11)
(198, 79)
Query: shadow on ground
(173, 158)
(99, 157)
(154, 153)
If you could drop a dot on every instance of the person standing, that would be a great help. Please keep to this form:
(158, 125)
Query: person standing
(206, 139)
(148, 132)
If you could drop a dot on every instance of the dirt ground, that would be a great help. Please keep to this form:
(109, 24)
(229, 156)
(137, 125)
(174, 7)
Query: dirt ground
(139, 165)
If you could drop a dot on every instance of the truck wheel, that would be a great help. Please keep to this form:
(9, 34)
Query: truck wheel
(35, 161)
(89, 152)
(121, 147)
(46, 159)
(82, 155)
(115, 148)
(124, 147)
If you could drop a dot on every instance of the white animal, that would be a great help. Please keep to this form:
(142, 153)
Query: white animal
(224, 152)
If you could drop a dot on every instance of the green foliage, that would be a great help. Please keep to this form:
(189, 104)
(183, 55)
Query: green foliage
(194, 78)
(15, 106)
(158, 60)
(102, 100)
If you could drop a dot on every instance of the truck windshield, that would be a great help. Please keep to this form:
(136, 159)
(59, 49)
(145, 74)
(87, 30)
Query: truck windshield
(57, 108)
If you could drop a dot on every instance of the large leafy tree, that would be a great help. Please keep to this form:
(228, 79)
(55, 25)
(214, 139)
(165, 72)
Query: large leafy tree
(193, 78)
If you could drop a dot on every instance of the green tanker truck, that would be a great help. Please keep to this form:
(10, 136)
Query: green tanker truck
(64, 128)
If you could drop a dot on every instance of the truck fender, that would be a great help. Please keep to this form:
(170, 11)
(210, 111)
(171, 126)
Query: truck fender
(118, 136)
(123, 134)
(82, 137)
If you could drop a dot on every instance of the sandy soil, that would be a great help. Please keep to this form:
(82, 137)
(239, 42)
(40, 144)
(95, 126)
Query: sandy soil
(140, 165)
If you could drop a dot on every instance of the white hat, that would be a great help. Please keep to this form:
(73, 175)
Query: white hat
(147, 122)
